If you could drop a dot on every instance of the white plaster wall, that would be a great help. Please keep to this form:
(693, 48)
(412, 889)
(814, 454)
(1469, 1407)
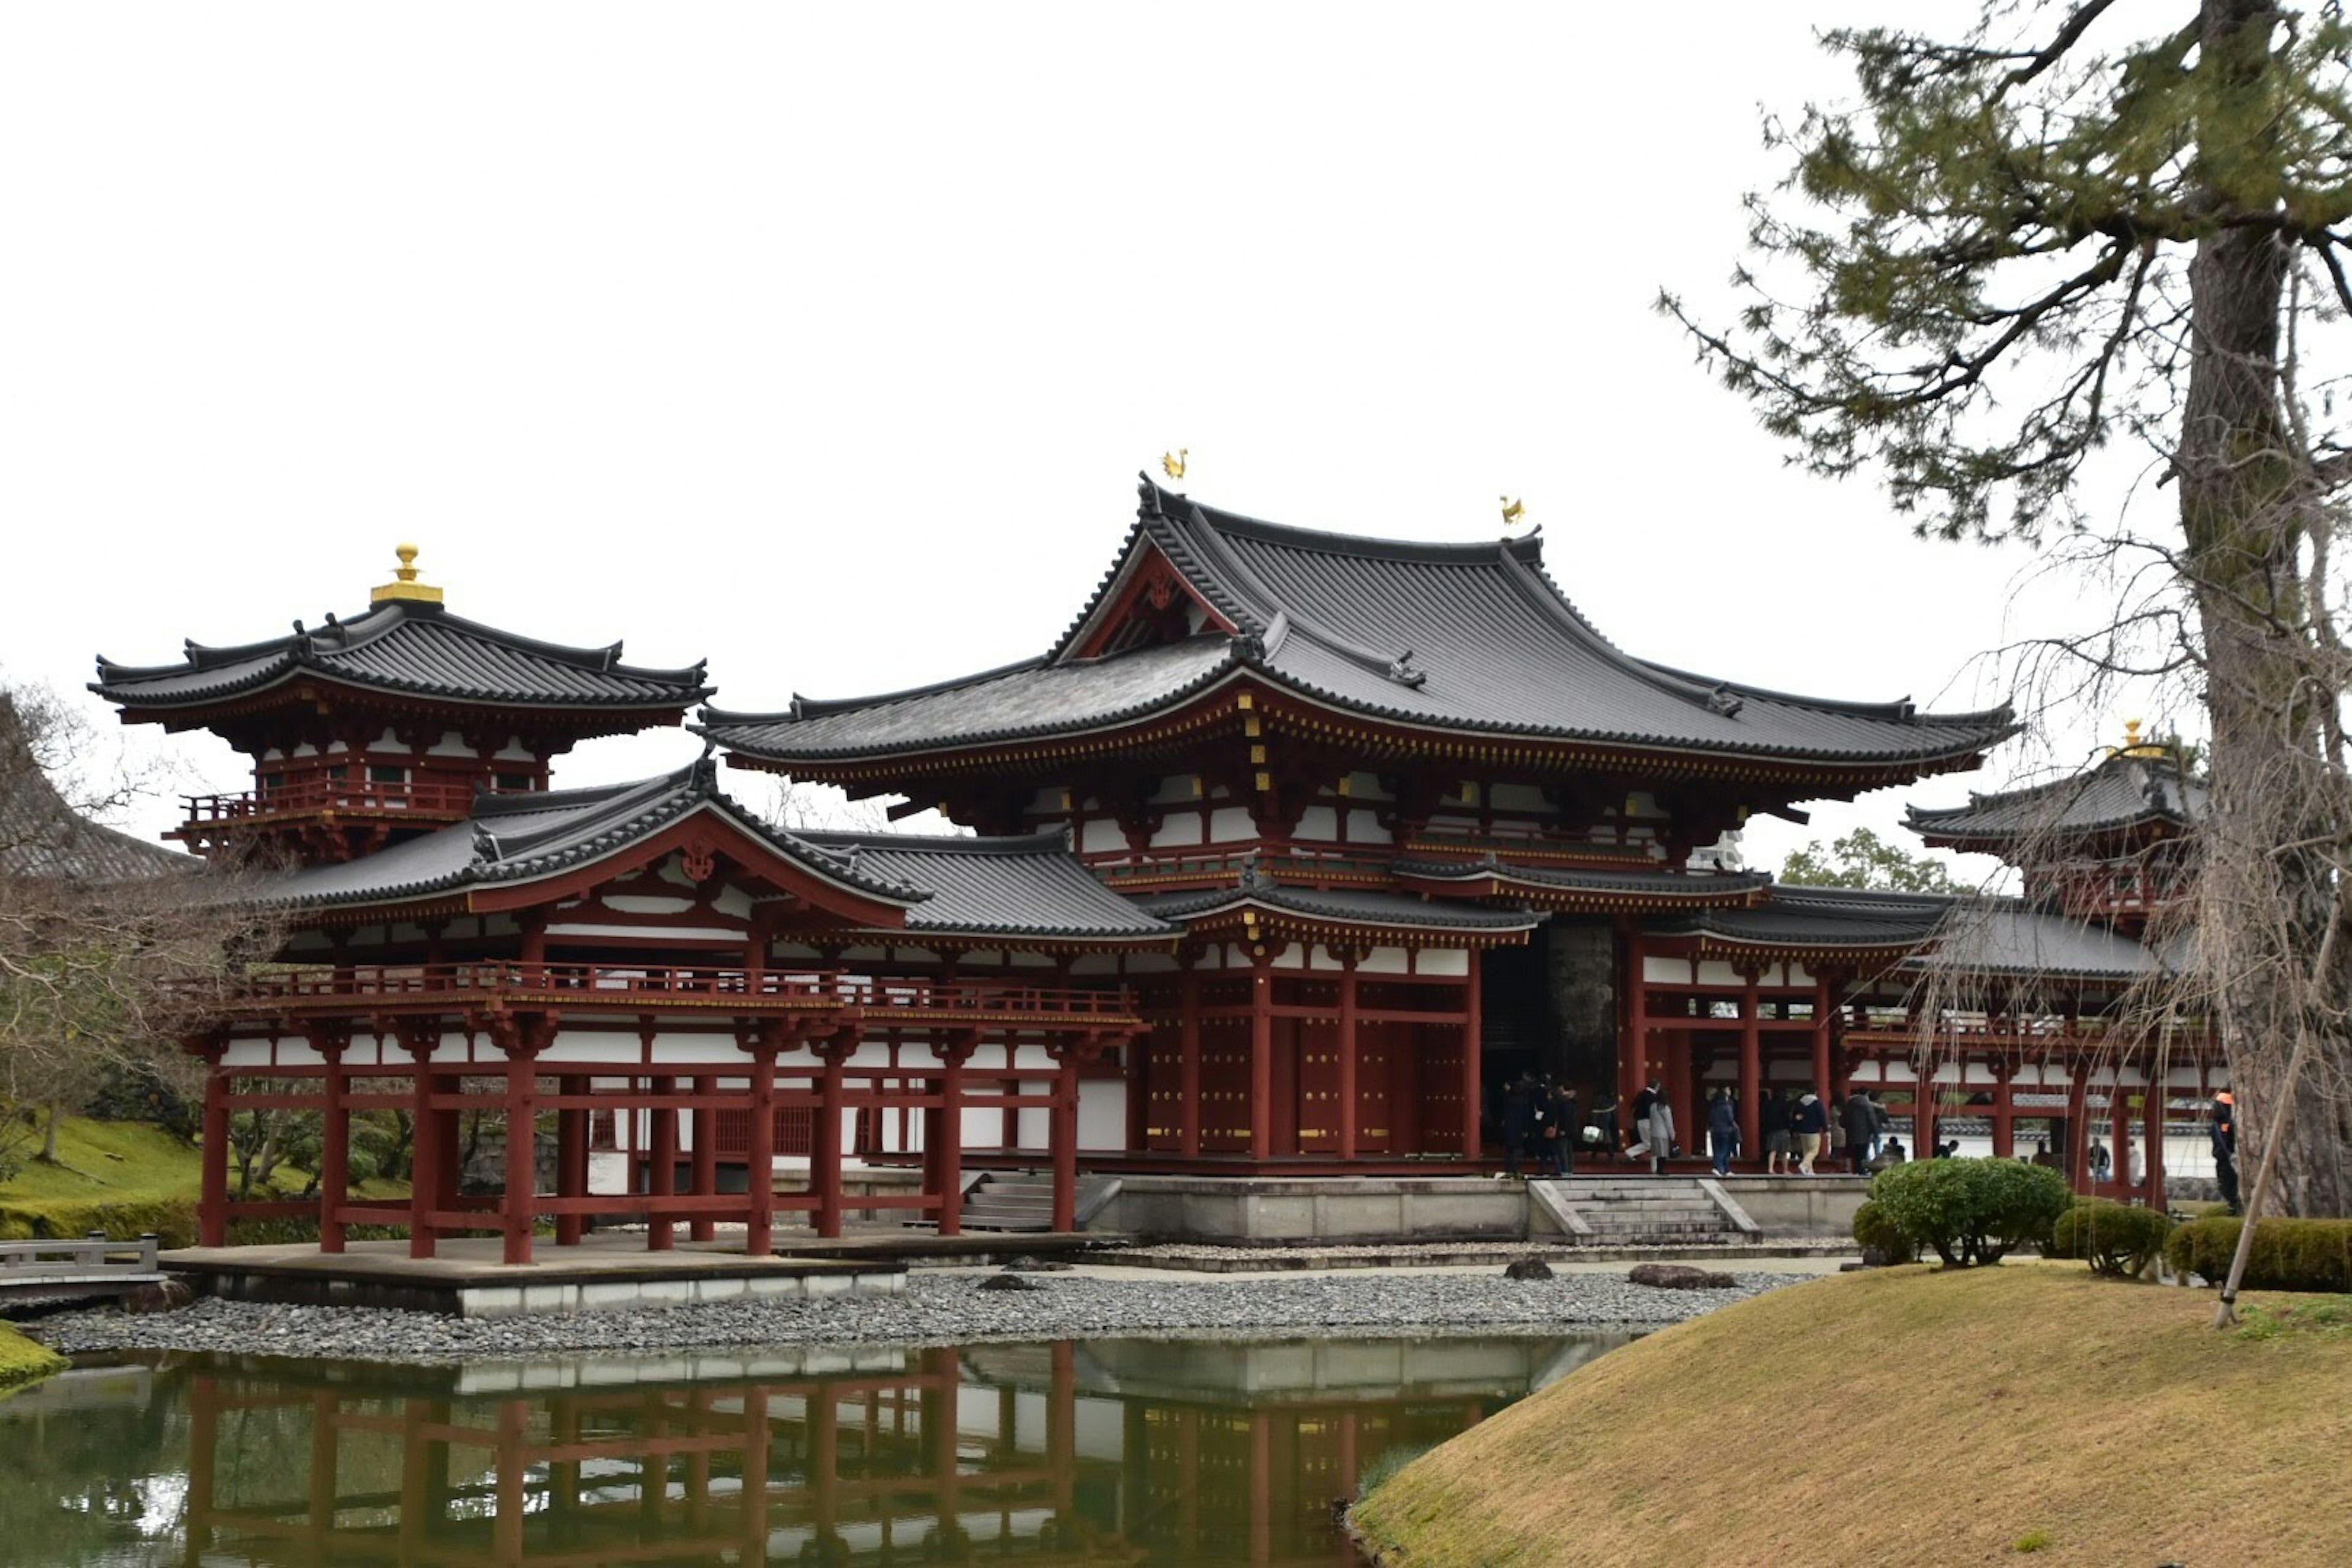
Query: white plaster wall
(1102, 1114)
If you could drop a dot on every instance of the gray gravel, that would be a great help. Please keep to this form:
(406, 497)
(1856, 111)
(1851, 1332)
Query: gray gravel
(934, 1310)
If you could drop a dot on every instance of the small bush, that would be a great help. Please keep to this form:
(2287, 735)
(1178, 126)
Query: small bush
(1882, 1240)
(1972, 1211)
(2288, 1254)
(2116, 1239)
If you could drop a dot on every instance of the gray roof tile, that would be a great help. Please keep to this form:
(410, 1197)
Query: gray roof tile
(1029, 886)
(2122, 792)
(410, 649)
(1494, 646)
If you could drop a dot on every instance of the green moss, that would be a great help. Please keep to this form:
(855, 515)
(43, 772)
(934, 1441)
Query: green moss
(23, 1361)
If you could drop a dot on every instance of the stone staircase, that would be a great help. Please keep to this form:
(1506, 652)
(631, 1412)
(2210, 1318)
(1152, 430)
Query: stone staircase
(1024, 1201)
(1642, 1211)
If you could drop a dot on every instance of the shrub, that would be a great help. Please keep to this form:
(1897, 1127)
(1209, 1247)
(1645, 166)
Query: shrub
(1882, 1240)
(2288, 1254)
(1972, 1211)
(2116, 1239)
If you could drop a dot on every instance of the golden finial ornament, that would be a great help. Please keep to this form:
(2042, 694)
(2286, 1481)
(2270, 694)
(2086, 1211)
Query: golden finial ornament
(1174, 461)
(405, 587)
(2133, 746)
(1512, 510)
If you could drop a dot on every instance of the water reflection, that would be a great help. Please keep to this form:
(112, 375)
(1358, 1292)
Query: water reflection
(1121, 1451)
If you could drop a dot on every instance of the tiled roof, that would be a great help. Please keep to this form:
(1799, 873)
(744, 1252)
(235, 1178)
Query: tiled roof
(410, 649)
(43, 838)
(1029, 887)
(1803, 917)
(521, 838)
(2005, 936)
(1454, 636)
(2122, 792)
(1396, 911)
(1695, 885)
(1961, 934)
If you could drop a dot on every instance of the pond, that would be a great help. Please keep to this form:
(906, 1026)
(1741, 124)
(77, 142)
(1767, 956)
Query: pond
(1157, 1452)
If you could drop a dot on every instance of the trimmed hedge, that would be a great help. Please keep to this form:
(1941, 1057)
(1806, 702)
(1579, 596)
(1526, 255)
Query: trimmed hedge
(2116, 1239)
(1882, 1240)
(1972, 1211)
(2288, 1254)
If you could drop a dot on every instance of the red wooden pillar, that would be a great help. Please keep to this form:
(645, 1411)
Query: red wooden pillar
(334, 1137)
(1188, 1136)
(2119, 1132)
(661, 1168)
(1350, 1109)
(570, 1160)
(1633, 1056)
(1142, 1070)
(2077, 1154)
(523, 1146)
(705, 1227)
(2004, 1112)
(824, 1147)
(947, 1167)
(1474, 1089)
(1261, 1060)
(1824, 1021)
(1065, 1134)
(212, 1203)
(760, 1147)
(1751, 1064)
(428, 1160)
(1924, 1131)
(2152, 1136)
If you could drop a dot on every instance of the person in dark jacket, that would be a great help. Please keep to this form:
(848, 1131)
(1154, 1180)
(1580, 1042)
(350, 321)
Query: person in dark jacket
(1861, 1129)
(2224, 1128)
(1605, 1119)
(1772, 1122)
(1518, 1116)
(1810, 1123)
(1567, 1123)
(1722, 1129)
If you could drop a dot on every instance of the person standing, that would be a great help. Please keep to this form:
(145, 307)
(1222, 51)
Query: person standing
(1861, 1129)
(1645, 1103)
(1810, 1123)
(1722, 1129)
(1662, 1129)
(2223, 1128)
(1772, 1120)
(1519, 1115)
(1568, 1126)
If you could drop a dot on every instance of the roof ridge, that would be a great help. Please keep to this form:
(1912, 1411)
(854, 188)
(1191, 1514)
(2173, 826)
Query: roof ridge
(1052, 841)
(805, 707)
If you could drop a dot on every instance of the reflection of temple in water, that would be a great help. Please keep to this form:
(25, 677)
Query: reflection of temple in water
(1111, 1452)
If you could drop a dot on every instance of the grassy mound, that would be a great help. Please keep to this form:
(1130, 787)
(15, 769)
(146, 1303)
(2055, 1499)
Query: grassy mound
(1906, 1415)
(23, 1361)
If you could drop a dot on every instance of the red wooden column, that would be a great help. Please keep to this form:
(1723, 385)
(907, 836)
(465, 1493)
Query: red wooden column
(759, 1143)
(824, 1147)
(570, 1159)
(661, 1170)
(1823, 1023)
(947, 1166)
(1473, 1072)
(2119, 1132)
(330, 1041)
(1350, 1112)
(2004, 1112)
(212, 1201)
(1063, 1122)
(2078, 1148)
(1924, 1131)
(523, 1045)
(1188, 1136)
(1261, 1060)
(1143, 1070)
(1751, 1063)
(2152, 1135)
(705, 1227)
(428, 1160)
(1633, 1056)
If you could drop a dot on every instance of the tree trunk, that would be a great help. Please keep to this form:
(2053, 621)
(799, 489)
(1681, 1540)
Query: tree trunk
(49, 1135)
(2243, 499)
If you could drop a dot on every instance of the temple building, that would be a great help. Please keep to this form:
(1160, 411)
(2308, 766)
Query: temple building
(1283, 857)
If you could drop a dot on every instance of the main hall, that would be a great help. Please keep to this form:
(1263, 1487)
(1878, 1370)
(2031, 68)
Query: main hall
(1280, 860)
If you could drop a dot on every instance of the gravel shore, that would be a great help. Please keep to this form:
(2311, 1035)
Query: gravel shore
(934, 1310)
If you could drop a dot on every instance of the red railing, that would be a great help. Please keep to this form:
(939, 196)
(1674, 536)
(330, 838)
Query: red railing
(426, 797)
(639, 985)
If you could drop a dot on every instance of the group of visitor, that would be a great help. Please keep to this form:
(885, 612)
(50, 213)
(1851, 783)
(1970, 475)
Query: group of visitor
(1542, 1124)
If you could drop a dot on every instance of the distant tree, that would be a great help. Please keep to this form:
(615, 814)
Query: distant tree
(1863, 860)
(2082, 226)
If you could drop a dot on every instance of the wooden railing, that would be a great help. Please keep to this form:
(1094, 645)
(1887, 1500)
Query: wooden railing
(423, 797)
(651, 986)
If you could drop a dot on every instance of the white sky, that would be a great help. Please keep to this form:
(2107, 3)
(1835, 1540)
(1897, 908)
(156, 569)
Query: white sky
(827, 341)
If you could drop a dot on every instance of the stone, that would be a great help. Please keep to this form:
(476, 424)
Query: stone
(159, 1296)
(1005, 1282)
(1528, 1269)
(1679, 1276)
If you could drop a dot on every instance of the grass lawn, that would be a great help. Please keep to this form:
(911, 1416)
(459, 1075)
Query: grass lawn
(1906, 1416)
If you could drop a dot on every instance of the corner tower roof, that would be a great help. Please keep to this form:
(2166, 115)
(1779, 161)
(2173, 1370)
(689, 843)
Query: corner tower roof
(1453, 638)
(2132, 791)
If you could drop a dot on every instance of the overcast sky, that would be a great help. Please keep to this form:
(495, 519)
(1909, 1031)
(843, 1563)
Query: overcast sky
(827, 341)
